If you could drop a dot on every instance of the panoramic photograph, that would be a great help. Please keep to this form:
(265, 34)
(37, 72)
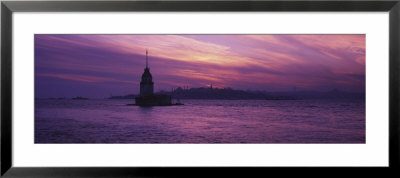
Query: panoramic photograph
(199, 88)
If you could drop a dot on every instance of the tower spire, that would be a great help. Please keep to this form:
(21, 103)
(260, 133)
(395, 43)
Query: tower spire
(146, 59)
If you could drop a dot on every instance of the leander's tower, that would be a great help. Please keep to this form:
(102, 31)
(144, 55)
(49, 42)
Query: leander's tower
(146, 85)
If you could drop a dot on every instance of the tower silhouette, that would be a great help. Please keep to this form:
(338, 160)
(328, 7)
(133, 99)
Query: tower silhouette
(147, 96)
(146, 84)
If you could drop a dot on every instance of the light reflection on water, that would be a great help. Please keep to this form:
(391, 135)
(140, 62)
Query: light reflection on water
(201, 121)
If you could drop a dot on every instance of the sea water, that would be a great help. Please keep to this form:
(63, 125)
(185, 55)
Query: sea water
(200, 121)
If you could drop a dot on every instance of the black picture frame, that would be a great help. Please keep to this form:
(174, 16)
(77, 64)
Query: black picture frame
(8, 7)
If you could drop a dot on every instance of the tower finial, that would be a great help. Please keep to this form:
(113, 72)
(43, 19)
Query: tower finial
(146, 59)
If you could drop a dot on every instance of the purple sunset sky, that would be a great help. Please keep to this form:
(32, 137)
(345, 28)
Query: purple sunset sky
(98, 66)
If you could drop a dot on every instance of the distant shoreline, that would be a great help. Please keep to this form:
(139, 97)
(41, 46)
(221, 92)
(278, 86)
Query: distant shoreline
(230, 94)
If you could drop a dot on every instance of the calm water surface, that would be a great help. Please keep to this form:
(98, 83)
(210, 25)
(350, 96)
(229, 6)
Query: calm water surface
(200, 121)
